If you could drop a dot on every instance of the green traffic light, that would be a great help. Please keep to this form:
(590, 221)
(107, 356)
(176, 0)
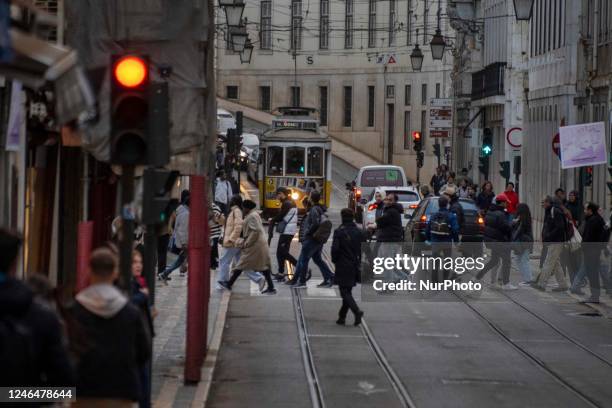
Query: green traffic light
(486, 150)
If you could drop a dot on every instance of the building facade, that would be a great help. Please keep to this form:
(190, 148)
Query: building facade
(351, 61)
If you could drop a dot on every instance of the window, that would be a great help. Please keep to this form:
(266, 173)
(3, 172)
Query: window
(371, 100)
(295, 96)
(348, 24)
(425, 18)
(390, 91)
(294, 161)
(231, 92)
(407, 131)
(391, 23)
(347, 119)
(315, 162)
(424, 94)
(409, 23)
(437, 90)
(372, 24)
(275, 161)
(323, 105)
(264, 98)
(381, 177)
(324, 25)
(407, 95)
(296, 24)
(265, 25)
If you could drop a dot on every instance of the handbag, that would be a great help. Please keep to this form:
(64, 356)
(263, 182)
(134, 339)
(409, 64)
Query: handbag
(282, 225)
(575, 241)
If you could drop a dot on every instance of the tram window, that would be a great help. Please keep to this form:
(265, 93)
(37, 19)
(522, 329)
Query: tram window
(315, 161)
(275, 161)
(295, 160)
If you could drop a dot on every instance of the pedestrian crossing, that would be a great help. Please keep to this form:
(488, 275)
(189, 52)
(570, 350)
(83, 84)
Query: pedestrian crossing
(311, 290)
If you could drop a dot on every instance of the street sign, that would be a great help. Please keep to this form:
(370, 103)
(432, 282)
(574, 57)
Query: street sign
(556, 146)
(440, 117)
(583, 145)
(386, 59)
(514, 137)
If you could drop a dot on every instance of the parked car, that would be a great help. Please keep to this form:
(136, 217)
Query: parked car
(368, 178)
(408, 197)
(225, 120)
(249, 150)
(472, 231)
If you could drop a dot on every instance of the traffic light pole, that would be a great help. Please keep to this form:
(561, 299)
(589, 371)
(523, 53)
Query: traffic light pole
(126, 242)
(150, 256)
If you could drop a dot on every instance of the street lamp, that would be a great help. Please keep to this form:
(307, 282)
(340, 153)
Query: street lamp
(238, 38)
(247, 52)
(437, 45)
(416, 58)
(233, 11)
(523, 9)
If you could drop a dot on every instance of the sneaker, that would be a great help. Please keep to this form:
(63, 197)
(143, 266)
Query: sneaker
(538, 287)
(525, 283)
(225, 285)
(358, 318)
(262, 284)
(509, 286)
(341, 321)
(290, 282)
(560, 289)
(279, 277)
(576, 292)
(299, 285)
(269, 292)
(324, 284)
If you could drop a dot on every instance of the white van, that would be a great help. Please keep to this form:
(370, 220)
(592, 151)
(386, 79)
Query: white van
(370, 177)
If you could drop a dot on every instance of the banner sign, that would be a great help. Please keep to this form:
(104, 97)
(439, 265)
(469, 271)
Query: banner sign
(583, 145)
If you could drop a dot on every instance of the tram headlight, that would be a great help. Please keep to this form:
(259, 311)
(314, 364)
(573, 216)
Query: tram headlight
(295, 195)
(243, 154)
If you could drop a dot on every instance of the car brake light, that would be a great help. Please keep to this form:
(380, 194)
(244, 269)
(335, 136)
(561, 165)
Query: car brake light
(372, 207)
(413, 205)
(423, 218)
(358, 192)
(480, 220)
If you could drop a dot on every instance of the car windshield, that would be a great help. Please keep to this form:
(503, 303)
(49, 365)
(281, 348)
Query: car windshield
(224, 115)
(250, 139)
(466, 205)
(405, 196)
(381, 177)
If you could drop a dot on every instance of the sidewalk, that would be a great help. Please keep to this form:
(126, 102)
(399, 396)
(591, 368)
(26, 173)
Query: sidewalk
(339, 149)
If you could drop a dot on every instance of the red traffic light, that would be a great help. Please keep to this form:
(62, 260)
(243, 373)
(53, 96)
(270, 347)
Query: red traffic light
(416, 135)
(130, 71)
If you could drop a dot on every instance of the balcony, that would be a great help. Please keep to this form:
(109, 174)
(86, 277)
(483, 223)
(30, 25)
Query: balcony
(489, 81)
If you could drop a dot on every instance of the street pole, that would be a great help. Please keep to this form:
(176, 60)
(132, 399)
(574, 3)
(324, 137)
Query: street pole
(149, 261)
(127, 226)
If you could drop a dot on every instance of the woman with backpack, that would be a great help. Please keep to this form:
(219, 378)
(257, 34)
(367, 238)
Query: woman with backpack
(522, 241)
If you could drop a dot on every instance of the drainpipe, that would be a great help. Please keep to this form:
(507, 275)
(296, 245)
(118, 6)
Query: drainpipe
(595, 35)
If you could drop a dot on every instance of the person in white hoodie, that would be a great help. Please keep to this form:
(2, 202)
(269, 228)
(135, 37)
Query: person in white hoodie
(180, 237)
(108, 338)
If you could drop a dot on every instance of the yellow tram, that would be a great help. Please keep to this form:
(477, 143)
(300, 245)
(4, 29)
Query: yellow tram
(294, 153)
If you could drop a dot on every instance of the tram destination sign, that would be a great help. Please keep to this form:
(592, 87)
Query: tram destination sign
(280, 124)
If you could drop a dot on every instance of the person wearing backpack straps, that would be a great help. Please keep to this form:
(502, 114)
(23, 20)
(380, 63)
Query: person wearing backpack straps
(497, 231)
(33, 351)
(316, 229)
(442, 230)
(286, 226)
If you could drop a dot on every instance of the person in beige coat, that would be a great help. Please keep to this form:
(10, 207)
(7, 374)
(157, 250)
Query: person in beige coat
(255, 253)
(231, 235)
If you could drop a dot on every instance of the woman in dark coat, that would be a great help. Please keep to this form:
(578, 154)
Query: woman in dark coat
(346, 256)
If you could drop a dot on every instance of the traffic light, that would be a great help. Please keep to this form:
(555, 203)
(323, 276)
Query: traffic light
(487, 142)
(420, 159)
(156, 195)
(129, 109)
(505, 170)
(483, 165)
(233, 142)
(437, 150)
(239, 121)
(417, 141)
(588, 176)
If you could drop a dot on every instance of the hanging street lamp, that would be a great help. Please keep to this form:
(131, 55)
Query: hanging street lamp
(437, 45)
(416, 58)
(523, 9)
(238, 37)
(247, 52)
(233, 11)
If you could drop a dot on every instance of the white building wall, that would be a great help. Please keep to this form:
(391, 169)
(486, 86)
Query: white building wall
(337, 67)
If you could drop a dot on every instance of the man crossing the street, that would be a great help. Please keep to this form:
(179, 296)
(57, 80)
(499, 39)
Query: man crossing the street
(286, 225)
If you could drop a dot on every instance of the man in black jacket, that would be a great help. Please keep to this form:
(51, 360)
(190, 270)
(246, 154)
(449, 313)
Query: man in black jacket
(32, 348)
(108, 337)
(287, 218)
(346, 256)
(593, 242)
(497, 231)
(389, 225)
(554, 234)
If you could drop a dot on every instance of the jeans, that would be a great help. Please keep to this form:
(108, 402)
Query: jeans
(162, 251)
(591, 267)
(214, 253)
(441, 250)
(498, 254)
(282, 252)
(311, 249)
(233, 254)
(348, 302)
(180, 259)
(522, 261)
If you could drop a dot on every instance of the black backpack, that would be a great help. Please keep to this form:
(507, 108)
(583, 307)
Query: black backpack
(17, 351)
(324, 230)
(439, 225)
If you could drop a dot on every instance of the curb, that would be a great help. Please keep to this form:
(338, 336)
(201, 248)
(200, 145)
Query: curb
(210, 363)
